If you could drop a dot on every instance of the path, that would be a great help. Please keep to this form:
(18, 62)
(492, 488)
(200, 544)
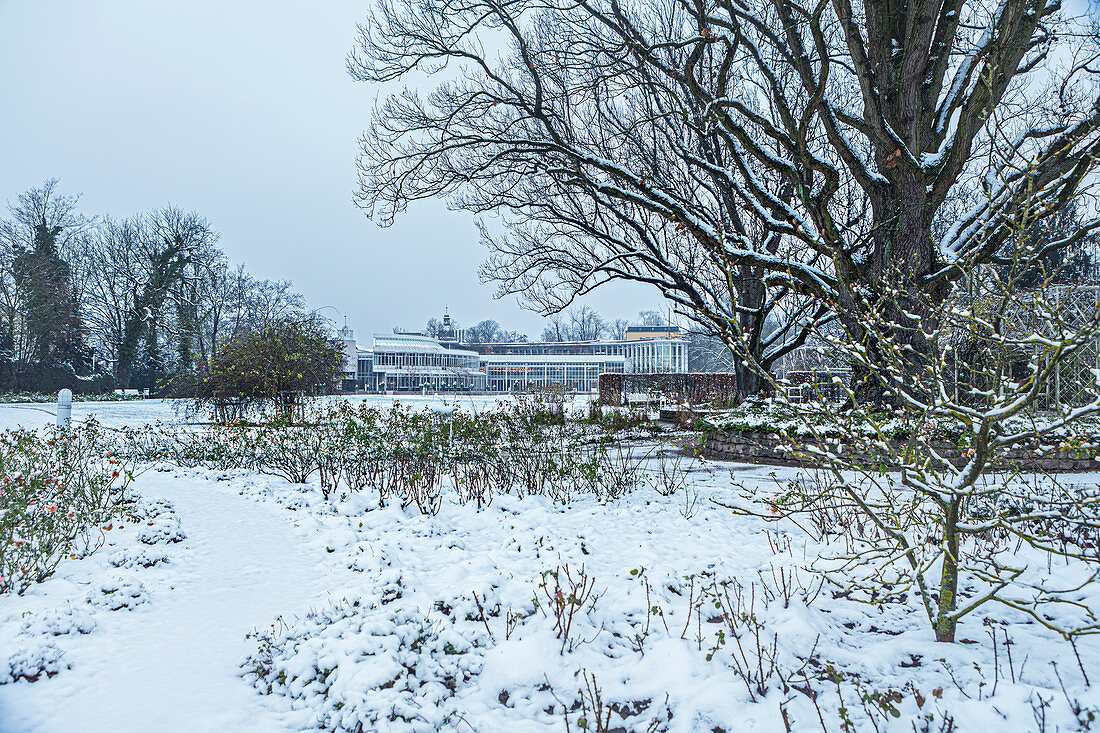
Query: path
(172, 665)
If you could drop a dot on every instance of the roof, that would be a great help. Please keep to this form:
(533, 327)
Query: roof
(553, 358)
(412, 343)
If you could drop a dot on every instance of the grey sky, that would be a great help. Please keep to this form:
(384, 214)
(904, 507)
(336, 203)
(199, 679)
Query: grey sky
(242, 111)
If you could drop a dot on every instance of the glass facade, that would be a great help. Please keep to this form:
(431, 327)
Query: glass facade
(649, 356)
(514, 373)
(554, 348)
(412, 362)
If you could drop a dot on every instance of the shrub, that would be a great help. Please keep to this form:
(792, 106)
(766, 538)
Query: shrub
(409, 664)
(272, 367)
(54, 489)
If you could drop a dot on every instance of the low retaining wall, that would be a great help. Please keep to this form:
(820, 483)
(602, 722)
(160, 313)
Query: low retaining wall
(765, 447)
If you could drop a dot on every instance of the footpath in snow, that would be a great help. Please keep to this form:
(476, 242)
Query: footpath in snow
(171, 663)
(668, 611)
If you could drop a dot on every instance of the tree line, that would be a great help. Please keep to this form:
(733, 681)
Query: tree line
(96, 303)
(577, 323)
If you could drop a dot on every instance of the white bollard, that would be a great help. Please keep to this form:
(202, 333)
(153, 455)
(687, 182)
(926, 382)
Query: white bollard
(64, 408)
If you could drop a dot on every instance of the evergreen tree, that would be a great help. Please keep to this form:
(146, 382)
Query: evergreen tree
(50, 310)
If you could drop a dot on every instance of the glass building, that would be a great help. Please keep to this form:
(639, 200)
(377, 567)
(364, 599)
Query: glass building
(413, 363)
(518, 372)
(651, 354)
(409, 362)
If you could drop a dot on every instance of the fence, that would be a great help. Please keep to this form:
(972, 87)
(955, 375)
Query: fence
(680, 387)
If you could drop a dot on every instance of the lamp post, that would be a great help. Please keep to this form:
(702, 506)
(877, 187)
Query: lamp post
(339, 312)
(449, 411)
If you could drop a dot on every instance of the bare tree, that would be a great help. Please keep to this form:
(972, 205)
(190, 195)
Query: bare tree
(916, 491)
(151, 294)
(708, 354)
(45, 205)
(433, 329)
(265, 302)
(137, 267)
(484, 332)
(787, 158)
(650, 318)
(585, 324)
(601, 168)
(579, 323)
(556, 329)
(513, 336)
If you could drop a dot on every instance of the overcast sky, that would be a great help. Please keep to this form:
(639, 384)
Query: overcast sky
(240, 110)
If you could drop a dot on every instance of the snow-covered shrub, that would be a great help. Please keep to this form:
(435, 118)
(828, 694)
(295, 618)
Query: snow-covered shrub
(531, 447)
(366, 666)
(130, 558)
(286, 451)
(594, 711)
(612, 470)
(164, 529)
(406, 455)
(329, 443)
(115, 594)
(219, 447)
(885, 539)
(31, 661)
(61, 621)
(55, 488)
(161, 524)
(672, 473)
(364, 460)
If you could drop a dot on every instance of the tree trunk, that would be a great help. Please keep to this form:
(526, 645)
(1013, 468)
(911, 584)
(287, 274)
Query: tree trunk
(949, 575)
(900, 308)
(749, 381)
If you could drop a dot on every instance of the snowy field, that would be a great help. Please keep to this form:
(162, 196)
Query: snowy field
(246, 603)
(135, 413)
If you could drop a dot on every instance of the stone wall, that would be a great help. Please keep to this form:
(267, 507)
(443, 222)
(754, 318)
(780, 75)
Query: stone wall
(763, 447)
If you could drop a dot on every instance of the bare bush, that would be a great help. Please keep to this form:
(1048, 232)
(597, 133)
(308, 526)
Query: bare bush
(563, 593)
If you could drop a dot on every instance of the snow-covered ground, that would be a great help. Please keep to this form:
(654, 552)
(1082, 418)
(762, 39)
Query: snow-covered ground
(168, 660)
(135, 413)
(240, 584)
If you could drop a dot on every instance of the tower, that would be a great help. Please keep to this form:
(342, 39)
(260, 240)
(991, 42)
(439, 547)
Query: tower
(447, 328)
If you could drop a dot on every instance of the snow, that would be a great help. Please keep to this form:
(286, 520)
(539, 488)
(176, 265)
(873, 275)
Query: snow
(165, 638)
(241, 602)
(136, 413)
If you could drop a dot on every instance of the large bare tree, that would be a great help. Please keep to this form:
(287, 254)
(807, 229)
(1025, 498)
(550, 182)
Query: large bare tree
(138, 267)
(599, 168)
(773, 162)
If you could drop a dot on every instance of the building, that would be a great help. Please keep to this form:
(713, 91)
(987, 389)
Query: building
(447, 331)
(366, 378)
(349, 371)
(518, 372)
(661, 352)
(407, 362)
(578, 364)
